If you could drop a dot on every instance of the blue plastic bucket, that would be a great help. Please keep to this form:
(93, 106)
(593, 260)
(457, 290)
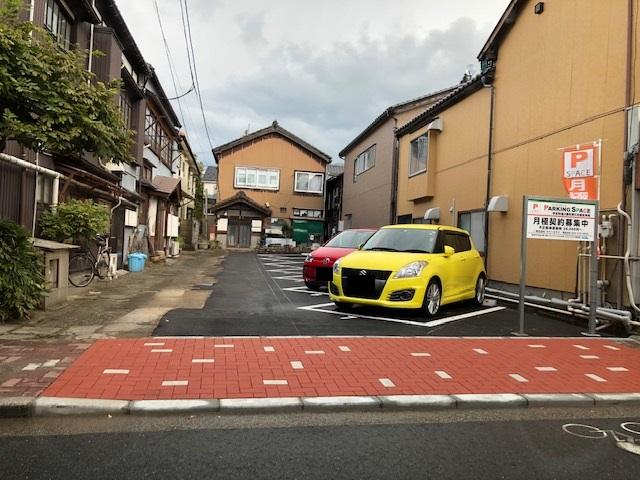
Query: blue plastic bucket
(136, 261)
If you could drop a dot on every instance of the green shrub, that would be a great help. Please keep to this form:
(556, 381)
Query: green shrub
(22, 284)
(76, 220)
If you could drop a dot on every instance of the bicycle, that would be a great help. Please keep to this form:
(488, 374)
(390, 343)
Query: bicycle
(623, 440)
(84, 266)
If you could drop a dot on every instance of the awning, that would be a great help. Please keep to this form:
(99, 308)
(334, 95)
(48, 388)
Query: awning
(432, 213)
(165, 185)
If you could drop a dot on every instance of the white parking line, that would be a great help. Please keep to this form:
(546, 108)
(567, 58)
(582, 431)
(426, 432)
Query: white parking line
(115, 371)
(319, 308)
(595, 377)
(442, 374)
(481, 351)
(420, 354)
(581, 347)
(518, 378)
(589, 357)
(610, 347)
(546, 369)
(617, 369)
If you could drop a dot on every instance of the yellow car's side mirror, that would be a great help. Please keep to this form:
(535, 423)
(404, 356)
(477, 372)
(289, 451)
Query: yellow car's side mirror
(448, 251)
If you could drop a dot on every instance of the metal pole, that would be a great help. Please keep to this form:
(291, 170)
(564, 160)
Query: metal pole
(593, 276)
(523, 264)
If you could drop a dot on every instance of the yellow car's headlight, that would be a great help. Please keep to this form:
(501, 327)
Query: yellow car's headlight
(336, 267)
(414, 269)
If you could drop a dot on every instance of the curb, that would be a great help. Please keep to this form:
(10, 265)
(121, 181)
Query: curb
(13, 407)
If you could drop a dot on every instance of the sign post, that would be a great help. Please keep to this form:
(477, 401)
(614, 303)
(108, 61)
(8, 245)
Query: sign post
(559, 219)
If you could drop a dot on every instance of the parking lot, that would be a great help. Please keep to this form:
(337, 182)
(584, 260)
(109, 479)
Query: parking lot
(265, 295)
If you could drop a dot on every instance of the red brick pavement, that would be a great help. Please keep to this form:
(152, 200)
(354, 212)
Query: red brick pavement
(209, 368)
(27, 368)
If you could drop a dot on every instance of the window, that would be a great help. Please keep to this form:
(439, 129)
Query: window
(58, 23)
(418, 160)
(157, 138)
(283, 209)
(259, 178)
(304, 212)
(309, 182)
(125, 109)
(473, 222)
(458, 241)
(365, 160)
(403, 219)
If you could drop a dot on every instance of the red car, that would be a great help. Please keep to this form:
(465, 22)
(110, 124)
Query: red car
(318, 266)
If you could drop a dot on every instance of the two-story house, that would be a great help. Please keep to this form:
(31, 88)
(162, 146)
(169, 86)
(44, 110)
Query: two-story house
(370, 165)
(469, 159)
(269, 177)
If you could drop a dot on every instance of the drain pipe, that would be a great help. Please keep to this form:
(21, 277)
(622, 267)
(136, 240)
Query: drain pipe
(627, 269)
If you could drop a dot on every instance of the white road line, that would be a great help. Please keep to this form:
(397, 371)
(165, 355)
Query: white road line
(154, 344)
(537, 346)
(344, 348)
(275, 382)
(420, 354)
(314, 352)
(161, 350)
(290, 278)
(546, 369)
(610, 347)
(595, 377)
(269, 349)
(50, 363)
(442, 374)
(348, 317)
(223, 345)
(202, 360)
(481, 351)
(518, 378)
(175, 383)
(581, 347)
(386, 382)
(32, 366)
(115, 371)
(297, 365)
(589, 357)
(617, 369)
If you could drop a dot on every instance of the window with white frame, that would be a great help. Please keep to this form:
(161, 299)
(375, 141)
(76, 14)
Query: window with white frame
(473, 222)
(309, 182)
(306, 212)
(365, 160)
(258, 178)
(419, 152)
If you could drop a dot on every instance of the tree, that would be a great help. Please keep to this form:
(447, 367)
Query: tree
(47, 99)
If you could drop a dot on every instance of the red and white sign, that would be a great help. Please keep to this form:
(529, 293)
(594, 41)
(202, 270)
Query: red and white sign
(579, 171)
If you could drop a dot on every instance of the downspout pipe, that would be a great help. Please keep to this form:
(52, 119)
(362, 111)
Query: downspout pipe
(489, 171)
(627, 112)
(90, 62)
(394, 174)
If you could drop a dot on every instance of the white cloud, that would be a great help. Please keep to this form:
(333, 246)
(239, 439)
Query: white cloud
(324, 70)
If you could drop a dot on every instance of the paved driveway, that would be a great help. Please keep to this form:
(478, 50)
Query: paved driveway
(264, 295)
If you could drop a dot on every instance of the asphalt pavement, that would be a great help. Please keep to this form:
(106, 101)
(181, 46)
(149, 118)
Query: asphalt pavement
(474, 445)
(264, 295)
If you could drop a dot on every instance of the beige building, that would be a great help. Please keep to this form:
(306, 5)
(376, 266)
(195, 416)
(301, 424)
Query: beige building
(554, 74)
(370, 163)
(268, 181)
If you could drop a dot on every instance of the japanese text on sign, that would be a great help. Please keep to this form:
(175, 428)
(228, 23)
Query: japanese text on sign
(560, 221)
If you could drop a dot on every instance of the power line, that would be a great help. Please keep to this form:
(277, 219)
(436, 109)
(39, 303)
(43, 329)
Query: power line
(169, 59)
(195, 74)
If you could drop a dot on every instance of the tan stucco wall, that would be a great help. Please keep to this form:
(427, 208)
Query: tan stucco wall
(368, 198)
(554, 71)
(277, 153)
(456, 165)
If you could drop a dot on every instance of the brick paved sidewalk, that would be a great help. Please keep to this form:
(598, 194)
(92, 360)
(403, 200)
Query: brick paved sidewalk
(27, 368)
(250, 367)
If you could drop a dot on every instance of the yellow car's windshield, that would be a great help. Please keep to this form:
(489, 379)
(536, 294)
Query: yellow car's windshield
(403, 240)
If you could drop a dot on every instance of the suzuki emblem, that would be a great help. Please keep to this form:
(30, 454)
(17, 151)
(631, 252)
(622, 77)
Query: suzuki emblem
(363, 272)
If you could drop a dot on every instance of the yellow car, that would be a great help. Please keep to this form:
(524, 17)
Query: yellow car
(410, 266)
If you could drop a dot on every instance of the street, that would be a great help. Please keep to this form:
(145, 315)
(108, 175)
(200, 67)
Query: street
(526, 444)
(265, 295)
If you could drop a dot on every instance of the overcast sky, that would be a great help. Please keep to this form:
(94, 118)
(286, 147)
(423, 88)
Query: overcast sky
(324, 69)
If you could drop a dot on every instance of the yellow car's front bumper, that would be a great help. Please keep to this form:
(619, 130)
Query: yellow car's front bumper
(390, 297)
